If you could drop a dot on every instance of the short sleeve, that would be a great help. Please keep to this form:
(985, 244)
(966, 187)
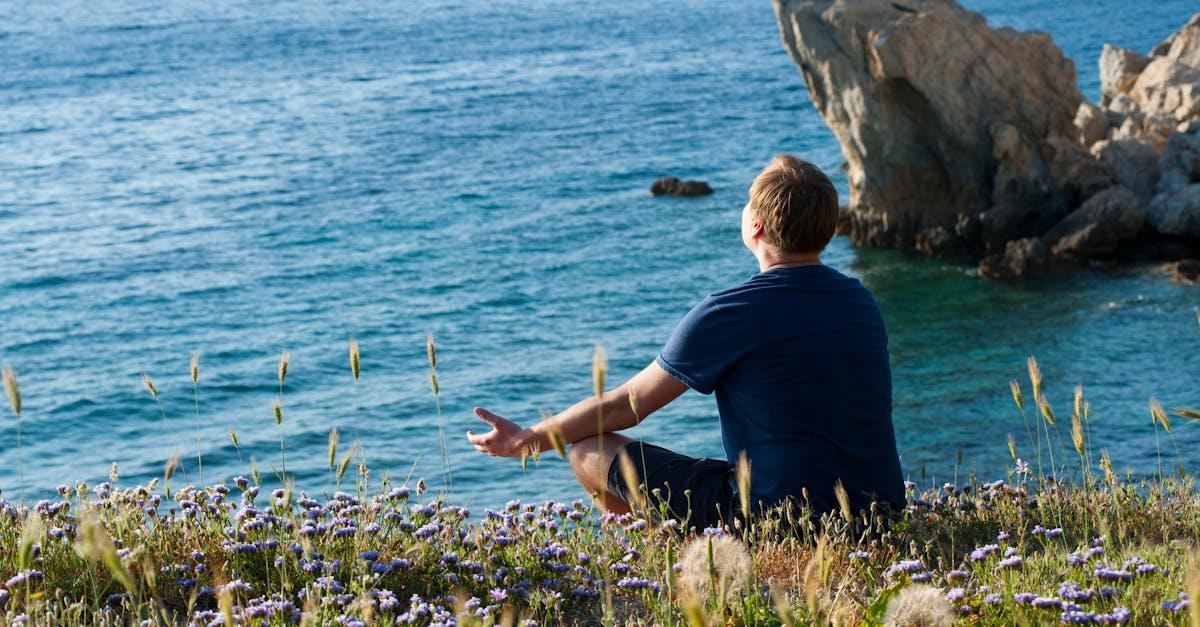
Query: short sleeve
(703, 346)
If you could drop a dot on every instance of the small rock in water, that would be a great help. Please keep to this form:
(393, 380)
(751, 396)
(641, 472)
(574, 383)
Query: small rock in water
(669, 185)
(1185, 271)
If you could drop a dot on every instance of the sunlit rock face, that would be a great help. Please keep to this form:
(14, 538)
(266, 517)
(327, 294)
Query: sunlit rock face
(966, 141)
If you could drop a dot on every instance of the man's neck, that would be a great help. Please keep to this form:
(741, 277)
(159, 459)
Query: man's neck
(770, 259)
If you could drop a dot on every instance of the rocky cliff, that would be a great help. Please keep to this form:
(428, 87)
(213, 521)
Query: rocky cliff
(971, 142)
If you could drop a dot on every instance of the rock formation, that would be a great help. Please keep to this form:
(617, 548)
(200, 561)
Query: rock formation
(971, 142)
(669, 185)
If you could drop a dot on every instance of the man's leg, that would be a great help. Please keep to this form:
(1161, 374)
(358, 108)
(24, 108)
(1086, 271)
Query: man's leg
(590, 459)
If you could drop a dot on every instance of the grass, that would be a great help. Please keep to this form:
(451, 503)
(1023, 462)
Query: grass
(1025, 549)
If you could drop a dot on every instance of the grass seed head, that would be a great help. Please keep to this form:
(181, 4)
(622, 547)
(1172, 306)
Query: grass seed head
(354, 358)
(1035, 377)
(149, 385)
(1158, 416)
(743, 482)
(12, 390)
(172, 465)
(195, 368)
(599, 370)
(333, 442)
(284, 358)
(1047, 413)
(1016, 394)
(633, 486)
(843, 500)
(1077, 434)
(431, 350)
(277, 411)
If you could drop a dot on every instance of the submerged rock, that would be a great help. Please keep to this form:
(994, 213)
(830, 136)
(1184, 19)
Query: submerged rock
(991, 153)
(669, 185)
(1185, 271)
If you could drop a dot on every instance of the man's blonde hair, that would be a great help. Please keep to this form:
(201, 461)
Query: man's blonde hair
(796, 203)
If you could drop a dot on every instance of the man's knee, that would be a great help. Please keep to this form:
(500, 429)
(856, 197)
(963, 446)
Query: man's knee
(582, 453)
(591, 457)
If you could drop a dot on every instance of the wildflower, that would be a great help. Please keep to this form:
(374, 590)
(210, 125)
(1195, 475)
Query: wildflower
(1072, 592)
(1011, 562)
(1002, 536)
(991, 599)
(919, 605)
(859, 555)
(1024, 598)
(904, 566)
(1110, 574)
(1054, 533)
(1021, 468)
(237, 585)
(498, 594)
(1180, 603)
(1043, 602)
(924, 577)
(957, 574)
(981, 553)
(955, 594)
(729, 558)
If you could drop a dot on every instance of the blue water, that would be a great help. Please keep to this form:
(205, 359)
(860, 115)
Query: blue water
(237, 179)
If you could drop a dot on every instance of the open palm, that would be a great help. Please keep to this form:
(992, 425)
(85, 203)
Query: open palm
(506, 439)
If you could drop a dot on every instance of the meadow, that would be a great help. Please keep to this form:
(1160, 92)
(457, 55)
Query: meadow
(1062, 538)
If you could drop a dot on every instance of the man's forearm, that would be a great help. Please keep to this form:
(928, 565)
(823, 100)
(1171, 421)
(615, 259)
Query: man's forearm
(589, 417)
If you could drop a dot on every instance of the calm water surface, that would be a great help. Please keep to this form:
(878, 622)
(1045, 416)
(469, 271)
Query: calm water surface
(240, 179)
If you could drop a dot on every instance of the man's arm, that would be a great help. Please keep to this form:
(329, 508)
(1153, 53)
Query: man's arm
(652, 388)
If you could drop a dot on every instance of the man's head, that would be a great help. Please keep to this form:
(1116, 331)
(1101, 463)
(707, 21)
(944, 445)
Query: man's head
(793, 208)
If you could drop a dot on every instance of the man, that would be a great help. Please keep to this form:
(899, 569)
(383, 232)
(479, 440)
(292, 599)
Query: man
(797, 356)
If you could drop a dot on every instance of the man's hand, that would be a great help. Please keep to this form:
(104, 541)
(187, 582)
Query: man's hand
(506, 439)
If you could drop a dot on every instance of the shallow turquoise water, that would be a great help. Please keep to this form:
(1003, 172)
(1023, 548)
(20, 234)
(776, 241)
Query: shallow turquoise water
(244, 179)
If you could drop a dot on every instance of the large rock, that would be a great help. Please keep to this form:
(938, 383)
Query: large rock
(1100, 227)
(927, 141)
(1091, 122)
(1176, 213)
(1133, 161)
(1119, 69)
(1183, 45)
(1168, 87)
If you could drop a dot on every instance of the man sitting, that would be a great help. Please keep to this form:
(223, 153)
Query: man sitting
(797, 357)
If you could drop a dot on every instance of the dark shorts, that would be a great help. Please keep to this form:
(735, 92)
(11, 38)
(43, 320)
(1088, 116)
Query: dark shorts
(698, 493)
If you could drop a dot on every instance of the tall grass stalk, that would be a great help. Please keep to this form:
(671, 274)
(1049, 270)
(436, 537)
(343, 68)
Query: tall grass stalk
(153, 390)
(431, 356)
(599, 374)
(195, 372)
(277, 411)
(355, 364)
(13, 391)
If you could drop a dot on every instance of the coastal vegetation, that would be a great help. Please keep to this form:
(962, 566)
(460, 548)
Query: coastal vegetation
(1063, 537)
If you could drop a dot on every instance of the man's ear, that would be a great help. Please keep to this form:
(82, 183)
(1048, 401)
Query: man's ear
(756, 229)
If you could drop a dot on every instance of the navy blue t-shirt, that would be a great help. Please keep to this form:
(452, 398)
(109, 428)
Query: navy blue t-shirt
(798, 359)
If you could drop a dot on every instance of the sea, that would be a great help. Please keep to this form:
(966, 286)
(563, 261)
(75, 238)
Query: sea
(233, 180)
